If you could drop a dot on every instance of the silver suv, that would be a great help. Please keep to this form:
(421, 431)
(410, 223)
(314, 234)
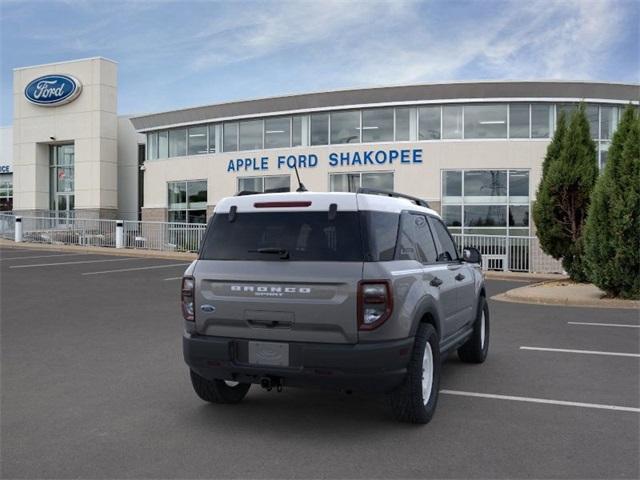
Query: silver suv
(354, 291)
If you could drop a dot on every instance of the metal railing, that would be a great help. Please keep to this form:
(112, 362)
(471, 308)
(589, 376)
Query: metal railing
(163, 236)
(515, 254)
(69, 231)
(7, 226)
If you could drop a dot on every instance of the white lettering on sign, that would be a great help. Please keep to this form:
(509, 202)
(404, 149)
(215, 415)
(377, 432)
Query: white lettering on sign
(46, 89)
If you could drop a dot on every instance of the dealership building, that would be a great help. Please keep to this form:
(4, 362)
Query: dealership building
(473, 150)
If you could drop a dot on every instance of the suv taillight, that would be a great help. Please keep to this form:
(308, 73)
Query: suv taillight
(186, 298)
(375, 303)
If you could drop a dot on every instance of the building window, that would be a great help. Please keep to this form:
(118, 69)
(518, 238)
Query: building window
(197, 140)
(452, 121)
(489, 202)
(592, 113)
(320, 129)
(163, 144)
(403, 124)
(212, 138)
(188, 201)
(519, 120)
(377, 125)
(608, 122)
(61, 179)
(152, 146)
(178, 142)
(277, 132)
(485, 121)
(429, 123)
(350, 182)
(6, 192)
(345, 127)
(251, 135)
(269, 184)
(230, 137)
(452, 186)
(296, 131)
(541, 120)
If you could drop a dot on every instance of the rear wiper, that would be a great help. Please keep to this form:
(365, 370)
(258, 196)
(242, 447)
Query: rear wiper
(283, 252)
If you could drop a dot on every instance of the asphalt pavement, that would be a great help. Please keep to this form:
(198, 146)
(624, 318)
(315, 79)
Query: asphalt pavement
(93, 385)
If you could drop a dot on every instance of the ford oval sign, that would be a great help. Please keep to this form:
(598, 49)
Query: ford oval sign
(53, 90)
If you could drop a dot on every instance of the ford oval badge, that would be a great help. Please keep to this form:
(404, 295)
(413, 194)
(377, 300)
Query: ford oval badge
(53, 90)
(208, 308)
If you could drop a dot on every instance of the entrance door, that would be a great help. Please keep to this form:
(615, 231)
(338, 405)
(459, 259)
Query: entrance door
(62, 181)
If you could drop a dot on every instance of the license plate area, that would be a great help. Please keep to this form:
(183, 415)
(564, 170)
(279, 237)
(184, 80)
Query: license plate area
(269, 353)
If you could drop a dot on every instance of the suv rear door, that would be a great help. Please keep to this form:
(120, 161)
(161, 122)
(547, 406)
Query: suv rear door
(280, 274)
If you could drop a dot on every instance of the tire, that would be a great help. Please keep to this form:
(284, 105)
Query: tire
(475, 349)
(408, 402)
(218, 391)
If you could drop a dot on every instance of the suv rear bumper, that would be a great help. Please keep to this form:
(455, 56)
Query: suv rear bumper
(370, 367)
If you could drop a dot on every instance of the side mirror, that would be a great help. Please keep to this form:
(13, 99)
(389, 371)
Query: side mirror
(471, 255)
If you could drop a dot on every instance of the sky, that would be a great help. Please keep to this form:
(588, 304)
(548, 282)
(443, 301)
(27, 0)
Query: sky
(176, 54)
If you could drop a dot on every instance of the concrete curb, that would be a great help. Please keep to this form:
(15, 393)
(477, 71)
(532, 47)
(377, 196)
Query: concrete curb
(557, 296)
(125, 252)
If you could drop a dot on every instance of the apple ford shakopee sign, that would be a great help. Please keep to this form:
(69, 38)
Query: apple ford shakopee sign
(53, 90)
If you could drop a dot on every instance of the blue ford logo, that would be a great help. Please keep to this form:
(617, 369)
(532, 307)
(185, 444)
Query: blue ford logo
(208, 308)
(53, 90)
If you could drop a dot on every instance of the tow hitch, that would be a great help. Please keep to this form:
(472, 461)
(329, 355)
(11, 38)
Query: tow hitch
(268, 383)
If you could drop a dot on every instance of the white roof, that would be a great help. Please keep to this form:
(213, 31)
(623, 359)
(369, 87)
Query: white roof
(318, 201)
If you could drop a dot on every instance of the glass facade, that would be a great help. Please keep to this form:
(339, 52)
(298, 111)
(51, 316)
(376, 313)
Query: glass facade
(351, 182)
(6, 192)
(485, 121)
(429, 123)
(377, 125)
(403, 124)
(277, 132)
(251, 135)
(319, 129)
(187, 201)
(382, 124)
(61, 179)
(452, 121)
(178, 142)
(489, 202)
(197, 140)
(345, 127)
(269, 184)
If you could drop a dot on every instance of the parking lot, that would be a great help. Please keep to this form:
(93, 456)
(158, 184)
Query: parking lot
(94, 386)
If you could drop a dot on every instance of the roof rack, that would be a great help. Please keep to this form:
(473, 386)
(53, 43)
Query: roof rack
(389, 193)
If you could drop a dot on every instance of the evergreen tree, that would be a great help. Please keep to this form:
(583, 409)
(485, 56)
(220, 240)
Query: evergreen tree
(612, 233)
(543, 211)
(564, 194)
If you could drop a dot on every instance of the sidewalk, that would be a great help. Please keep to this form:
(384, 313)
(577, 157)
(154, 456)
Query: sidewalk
(127, 252)
(564, 292)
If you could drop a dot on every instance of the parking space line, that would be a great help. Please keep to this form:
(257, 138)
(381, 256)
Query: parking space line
(75, 263)
(42, 256)
(587, 352)
(541, 400)
(172, 278)
(152, 267)
(621, 325)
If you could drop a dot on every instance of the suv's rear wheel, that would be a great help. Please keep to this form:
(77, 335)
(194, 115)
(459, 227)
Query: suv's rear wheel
(218, 391)
(476, 348)
(415, 400)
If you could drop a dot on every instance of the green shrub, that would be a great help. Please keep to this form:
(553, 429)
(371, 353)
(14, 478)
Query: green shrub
(612, 233)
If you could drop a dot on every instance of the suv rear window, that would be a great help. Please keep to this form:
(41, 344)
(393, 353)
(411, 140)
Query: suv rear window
(305, 236)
